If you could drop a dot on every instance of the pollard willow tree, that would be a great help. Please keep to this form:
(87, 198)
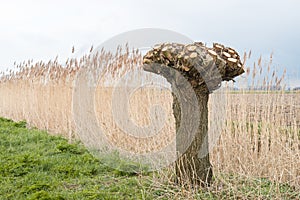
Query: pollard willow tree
(194, 71)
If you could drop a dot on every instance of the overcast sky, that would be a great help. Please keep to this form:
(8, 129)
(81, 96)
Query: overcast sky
(41, 30)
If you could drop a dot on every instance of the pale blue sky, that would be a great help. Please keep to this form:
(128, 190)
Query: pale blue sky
(44, 29)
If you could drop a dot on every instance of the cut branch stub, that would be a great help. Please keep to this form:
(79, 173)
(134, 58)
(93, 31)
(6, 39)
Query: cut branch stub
(201, 65)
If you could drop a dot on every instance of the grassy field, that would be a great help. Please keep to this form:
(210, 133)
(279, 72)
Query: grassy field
(36, 165)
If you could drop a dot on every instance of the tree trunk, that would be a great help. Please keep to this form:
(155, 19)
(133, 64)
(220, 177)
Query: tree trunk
(190, 168)
(204, 69)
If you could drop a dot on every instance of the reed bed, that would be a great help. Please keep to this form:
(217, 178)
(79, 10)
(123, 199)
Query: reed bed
(260, 138)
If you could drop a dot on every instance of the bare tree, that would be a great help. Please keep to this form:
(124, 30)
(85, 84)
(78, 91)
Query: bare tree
(194, 71)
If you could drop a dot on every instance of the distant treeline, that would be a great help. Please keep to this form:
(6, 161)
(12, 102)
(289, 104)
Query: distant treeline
(272, 88)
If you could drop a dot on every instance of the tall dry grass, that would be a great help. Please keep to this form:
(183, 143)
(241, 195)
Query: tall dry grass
(262, 133)
(261, 137)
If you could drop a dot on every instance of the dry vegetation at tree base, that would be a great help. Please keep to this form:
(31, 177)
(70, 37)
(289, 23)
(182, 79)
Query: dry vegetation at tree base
(257, 154)
(36, 165)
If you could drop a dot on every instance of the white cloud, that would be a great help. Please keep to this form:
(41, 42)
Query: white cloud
(292, 83)
(44, 29)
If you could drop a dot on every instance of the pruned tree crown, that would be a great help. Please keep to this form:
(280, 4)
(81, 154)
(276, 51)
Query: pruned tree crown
(204, 67)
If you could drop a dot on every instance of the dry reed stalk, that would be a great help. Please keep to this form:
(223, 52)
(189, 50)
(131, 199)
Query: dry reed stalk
(260, 139)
